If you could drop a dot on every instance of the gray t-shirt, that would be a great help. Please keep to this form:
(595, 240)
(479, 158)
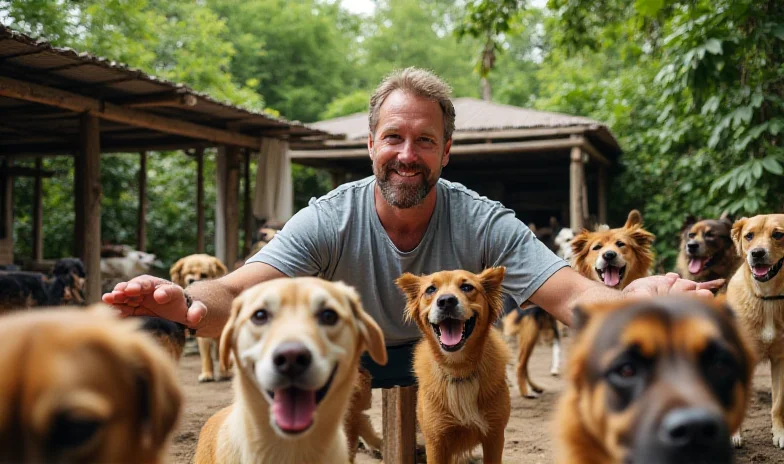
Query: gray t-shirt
(340, 237)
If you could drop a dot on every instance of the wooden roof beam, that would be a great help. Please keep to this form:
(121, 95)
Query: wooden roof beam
(154, 101)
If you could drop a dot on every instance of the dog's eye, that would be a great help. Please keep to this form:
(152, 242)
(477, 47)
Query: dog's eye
(328, 317)
(749, 236)
(597, 247)
(260, 317)
(620, 244)
(430, 290)
(692, 235)
(70, 432)
(203, 276)
(778, 235)
(709, 234)
(466, 288)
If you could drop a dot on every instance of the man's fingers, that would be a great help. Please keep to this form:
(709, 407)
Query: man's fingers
(166, 293)
(711, 284)
(120, 287)
(195, 314)
(128, 311)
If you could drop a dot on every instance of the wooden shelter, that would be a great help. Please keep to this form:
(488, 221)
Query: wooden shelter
(537, 163)
(57, 102)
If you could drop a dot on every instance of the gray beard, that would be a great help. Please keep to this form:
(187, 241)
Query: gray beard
(404, 196)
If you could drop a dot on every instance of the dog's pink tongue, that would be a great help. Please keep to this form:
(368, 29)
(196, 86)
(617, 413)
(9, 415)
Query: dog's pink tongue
(612, 275)
(294, 408)
(760, 270)
(695, 265)
(451, 331)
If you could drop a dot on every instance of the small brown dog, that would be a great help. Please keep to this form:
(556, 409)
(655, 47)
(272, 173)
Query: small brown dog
(189, 270)
(756, 291)
(460, 364)
(528, 324)
(615, 257)
(707, 252)
(662, 380)
(80, 386)
(296, 344)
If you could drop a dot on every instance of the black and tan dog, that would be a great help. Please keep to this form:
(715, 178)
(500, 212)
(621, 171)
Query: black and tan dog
(528, 324)
(654, 381)
(65, 286)
(707, 252)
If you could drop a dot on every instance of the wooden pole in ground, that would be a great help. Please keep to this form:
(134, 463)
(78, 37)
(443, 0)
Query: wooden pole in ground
(38, 216)
(399, 421)
(199, 200)
(247, 219)
(141, 212)
(602, 194)
(90, 157)
(575, 189)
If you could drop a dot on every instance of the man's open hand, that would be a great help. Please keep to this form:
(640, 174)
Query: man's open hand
(669, 284)
(150, 296)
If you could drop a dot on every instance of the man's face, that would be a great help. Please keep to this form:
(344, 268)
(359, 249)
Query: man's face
(408, 148)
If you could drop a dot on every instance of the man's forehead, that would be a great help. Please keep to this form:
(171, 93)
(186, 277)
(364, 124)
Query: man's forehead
(400, 107)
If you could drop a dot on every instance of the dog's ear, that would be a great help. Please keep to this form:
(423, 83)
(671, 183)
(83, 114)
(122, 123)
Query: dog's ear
(491, 279)
(220, 269)
(642, 237)
(726, 218)
(175, 272)
(634, 219)
(554, 224)
(580, 242)
(371, 333)
(410, 284)
(688, 222)
(226, 344)
(737, 230)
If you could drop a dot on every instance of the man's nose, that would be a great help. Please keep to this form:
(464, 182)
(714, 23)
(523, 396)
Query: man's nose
(408, 152)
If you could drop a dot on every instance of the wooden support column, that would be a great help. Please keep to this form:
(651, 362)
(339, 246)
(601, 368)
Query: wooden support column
(78, 247)
(90, 166)
(141, 212)
(38, 216)
(200, 200)
(6, 213)
(227, 208)
(399, 420)
(576, 174)
(602, 194)
(247, 217)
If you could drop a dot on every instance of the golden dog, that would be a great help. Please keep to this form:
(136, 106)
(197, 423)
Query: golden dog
(296, 344)
(707, 252)
(184, 272)
(615, 257)
(756, 291)
(463, 399)
(653, 381)
(80, 386)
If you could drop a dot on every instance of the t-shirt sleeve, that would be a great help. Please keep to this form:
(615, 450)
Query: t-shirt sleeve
(302, 247)
(529, 263)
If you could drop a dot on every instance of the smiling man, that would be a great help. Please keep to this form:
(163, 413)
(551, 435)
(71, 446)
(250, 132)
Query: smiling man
(402, 219)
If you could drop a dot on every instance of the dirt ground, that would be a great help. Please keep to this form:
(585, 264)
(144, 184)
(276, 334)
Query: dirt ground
(527, 435)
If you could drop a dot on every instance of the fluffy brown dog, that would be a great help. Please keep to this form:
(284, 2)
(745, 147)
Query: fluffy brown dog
(756, 291)
(297, 344)
(615, 257)
(80, 386)
(184, 272)
(652, 381)
(463, 399)
(528, 323)
(707, 252)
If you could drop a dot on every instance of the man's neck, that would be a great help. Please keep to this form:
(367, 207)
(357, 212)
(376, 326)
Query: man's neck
(405, 227)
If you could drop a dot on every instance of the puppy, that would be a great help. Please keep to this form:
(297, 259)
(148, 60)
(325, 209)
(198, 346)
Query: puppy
(707, 252)
(528, 323)
(615, 257)
(563, 241)
(184, 272)
(80, 386)
(662, 380)
(756, 291)
(297, 344)
(463, 399)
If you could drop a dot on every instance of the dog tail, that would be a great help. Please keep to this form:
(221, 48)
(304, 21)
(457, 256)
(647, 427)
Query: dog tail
(169, 334)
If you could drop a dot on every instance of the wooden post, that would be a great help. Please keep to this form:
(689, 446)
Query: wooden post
(575, 189)
(584, 196)
(199, 200)
(90, 163)
(141, 212)
(232, 205)
(602, 194)
(78, 247)
(6, 213)
(247, 219)
(38, 221)
(399, 420)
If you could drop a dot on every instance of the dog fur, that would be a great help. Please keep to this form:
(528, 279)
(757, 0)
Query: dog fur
(299, 338)
(527, 324)
(357, 422)
(756, 292)
(706, 250)
(184, 272)
(654, 381)
(20, 290)
(463, 398)
(80, 386)
(615, 257)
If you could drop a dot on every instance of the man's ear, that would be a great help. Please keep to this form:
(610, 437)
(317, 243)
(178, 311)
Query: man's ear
(370, 145)
(447, 153)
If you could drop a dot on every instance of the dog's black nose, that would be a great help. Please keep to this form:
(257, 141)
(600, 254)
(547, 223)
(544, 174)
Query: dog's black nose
(609, 255)
(758, 253)
(291, 358)
(692, 246)
(686, 427)
(446, 301)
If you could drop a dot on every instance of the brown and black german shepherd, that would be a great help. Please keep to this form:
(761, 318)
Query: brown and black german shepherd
(707, 252)
(663, 380)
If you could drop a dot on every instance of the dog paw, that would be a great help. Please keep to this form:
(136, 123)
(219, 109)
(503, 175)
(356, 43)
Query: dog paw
(206, 378)
(223, 377)
(778, 437)
(555, 372)
(737, 440)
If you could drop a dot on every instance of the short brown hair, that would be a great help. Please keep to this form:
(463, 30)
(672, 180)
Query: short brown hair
(417, 82)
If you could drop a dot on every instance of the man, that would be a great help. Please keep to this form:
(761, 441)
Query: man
(403, 219)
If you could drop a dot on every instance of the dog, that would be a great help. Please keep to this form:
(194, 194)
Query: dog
(296, 343)
(706, 251)
(20, 289)
(184, 272)
(81, 386)
(660, 380)
(357, 423)
(132, 263)
(615, 257)
(756, 292)
(460, 363)
(528, 323)
(563, 240)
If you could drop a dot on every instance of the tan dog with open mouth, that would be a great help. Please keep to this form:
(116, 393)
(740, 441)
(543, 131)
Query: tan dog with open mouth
(81, 386)
(707, 252)
(296, 343)
(756, 292)
(615, 257)
(460, 364)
